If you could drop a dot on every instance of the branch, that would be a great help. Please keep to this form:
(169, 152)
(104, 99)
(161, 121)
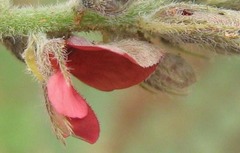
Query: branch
(4, 5)
(182, 23)
(65, 17)
(229, 4)
(57, 18)
(176, 22)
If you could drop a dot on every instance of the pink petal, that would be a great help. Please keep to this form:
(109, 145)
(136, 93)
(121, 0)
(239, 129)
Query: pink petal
(64, 98)
(86, 128)
(105, 67)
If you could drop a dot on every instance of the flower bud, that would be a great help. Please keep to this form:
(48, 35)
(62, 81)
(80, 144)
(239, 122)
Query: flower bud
(172, 74)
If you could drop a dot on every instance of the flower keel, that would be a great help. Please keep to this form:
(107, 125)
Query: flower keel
(65, 98)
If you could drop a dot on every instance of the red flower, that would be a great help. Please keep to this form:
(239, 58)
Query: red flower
(105, 67)
(114, 66)
(67, 102)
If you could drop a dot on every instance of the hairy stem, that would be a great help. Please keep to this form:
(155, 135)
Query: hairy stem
(57, 18)
(198, 24)
(4, 5)
(65, 17)
(175, 22)
(230, 4)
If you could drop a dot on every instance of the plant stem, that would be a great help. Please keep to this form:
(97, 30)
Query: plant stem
(65, 17)
(182, 23)
(230, 4)
(4, 4)
(176, 22)
(22, 21)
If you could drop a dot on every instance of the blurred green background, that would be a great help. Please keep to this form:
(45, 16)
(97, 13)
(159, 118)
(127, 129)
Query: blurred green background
(132, 120)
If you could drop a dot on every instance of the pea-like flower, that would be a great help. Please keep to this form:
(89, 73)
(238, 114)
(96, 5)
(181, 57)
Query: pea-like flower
(105, 67)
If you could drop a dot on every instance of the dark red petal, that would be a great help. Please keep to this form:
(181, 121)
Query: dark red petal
(64, 98)
(86, 128)
(104, 68)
